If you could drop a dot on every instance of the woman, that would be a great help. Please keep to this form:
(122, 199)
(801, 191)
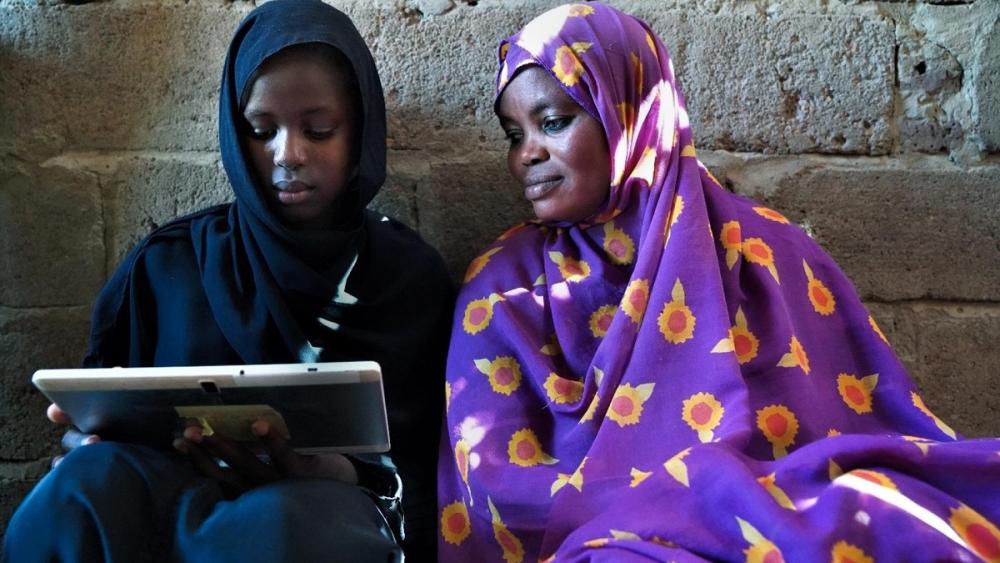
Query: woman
(295, 270)
(658, 369)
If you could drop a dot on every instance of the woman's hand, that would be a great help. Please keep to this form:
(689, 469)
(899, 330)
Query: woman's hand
(244, 470)
(73, 438)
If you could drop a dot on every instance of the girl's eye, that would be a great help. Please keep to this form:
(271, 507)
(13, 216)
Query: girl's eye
(555, 124)
(320, 134)
(261, 134)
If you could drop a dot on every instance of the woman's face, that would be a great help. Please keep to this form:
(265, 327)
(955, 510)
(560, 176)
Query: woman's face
(558, 152)
(301, 136)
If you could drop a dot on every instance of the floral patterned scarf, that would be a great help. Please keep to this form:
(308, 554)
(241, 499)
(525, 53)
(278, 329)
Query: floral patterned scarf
(686, 375)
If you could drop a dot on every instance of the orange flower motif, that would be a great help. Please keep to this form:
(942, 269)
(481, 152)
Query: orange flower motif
(731, 238)
(676, 321)
(574, 479)
(551, 347)
(770, 485)
(857, 393)
(592, 408)
(878, 331)
(645, 169)
(740, 340)
(579, 10)
(455, 525)
(919, 403)
(563, 391)
(635, 299)
(478, 263)
(571, 269)
(761, 550)
(675, 214)
(876, 477)
(504, 373)
(618, 245)
(512, 231)
(676, 467)
(981, 534)
(513, 551)
(600, 321)
(779, 426)
(638, 476)
(462, 450)
(568, 68)
(844, 552)
(478, 313)
(756, 251)
(796, 357)
(503, 51)
(525, 450)
(820, 297)
(771, 214)
(702, 412)
(627, 403)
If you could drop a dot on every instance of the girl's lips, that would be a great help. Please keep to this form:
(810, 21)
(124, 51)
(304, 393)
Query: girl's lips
(537, 189)
(292, 192)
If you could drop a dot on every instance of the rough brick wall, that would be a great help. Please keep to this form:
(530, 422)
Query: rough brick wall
(875, 125)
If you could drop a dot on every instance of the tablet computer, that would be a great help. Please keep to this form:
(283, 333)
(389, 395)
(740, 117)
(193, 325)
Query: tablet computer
(318, 407)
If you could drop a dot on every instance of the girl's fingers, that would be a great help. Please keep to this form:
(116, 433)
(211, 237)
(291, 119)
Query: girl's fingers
(56, 414)
(240, 459)
(284, 458)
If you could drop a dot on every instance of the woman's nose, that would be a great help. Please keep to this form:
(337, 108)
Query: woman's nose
(532, 152)
(289, 150)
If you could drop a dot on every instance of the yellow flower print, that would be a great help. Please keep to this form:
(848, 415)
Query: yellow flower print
(479, 263)
(769, 484)
(688, 151)
(676, 321)
(675, 214)
(702, 412)
(676, 467)
(563, 391)
(645, 169)
(504, 373)
(832, 432)
(572, 270)
(618, 245)
(462, 449)
(796, 357)
(820, 297)
(455, 525)
(876, 477)
(638, 477)
(574, 479)
(779, 426)
(607, 216)
(478, 313)
(979, 533)
(551, 347)
(503, 51)
(919, 403)
(833, 470)
(761, 550)
(635, 299)
(756, 251)
(580, 10)
(740, 340)
(513, 551)
(525, 450)
(592, 409)
(600, 321)
(512, 231)
(844, 552)
(922, 444)
(731, 238)
(878, 331)
(771, 214)
(857, 393)
(627, 403)
(568, 68)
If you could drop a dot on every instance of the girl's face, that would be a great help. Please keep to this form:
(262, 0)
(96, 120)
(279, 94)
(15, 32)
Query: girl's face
(558, 152)
(301, 137)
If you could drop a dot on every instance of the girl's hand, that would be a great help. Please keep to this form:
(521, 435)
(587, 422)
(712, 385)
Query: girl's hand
(244, 470)
(73, 438)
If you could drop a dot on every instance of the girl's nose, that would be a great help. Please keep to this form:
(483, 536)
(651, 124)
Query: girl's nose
(289, 150)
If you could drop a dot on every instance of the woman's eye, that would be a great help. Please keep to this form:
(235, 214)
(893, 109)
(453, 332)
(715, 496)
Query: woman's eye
(513, 137)
(555, 124)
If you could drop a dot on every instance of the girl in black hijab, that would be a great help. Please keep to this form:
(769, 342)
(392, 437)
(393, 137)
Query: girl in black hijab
(296, 269)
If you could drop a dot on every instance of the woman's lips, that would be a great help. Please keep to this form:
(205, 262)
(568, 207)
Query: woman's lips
(293, 191)
(537, 188)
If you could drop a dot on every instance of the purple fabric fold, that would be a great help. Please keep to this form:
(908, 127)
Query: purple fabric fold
(685, 375)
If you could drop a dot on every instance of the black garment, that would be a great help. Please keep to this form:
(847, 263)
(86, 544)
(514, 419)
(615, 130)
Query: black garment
(232, 284)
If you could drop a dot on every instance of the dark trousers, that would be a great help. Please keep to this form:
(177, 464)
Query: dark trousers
(124, 503)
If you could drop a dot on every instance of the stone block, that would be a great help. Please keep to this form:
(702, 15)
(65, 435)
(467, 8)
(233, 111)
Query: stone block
(951, 353)
(109, 76)
(920, 229)
(986, 84)
(464, 204)
(32, 339)
(52, 247)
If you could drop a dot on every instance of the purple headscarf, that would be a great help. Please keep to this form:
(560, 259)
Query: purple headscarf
(685, 374)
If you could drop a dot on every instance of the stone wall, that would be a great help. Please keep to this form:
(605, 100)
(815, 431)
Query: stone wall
(874, 125)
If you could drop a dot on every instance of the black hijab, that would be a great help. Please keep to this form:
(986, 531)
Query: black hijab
(233, 285)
